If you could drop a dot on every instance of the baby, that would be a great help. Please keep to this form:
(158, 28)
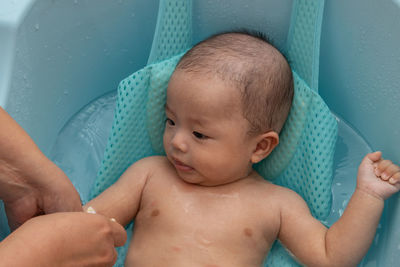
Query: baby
(203, 204)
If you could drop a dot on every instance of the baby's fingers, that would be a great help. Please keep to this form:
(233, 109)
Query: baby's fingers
(395, 178)
(388, 171)
(382, 169)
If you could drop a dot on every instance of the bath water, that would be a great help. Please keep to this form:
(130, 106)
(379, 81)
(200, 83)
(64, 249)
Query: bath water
(80, 145)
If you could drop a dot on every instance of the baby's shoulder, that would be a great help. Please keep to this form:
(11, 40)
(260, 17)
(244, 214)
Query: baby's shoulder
(148, 166)
(152, 161)
(154, 166)
(280, 195)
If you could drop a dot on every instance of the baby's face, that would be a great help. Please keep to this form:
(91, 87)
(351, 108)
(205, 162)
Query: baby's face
(206, 136)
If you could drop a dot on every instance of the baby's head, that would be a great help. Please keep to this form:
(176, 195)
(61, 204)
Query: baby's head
(229, 98)
(250, 64)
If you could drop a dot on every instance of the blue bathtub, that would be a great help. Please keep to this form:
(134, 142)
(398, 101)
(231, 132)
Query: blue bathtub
(58, 56)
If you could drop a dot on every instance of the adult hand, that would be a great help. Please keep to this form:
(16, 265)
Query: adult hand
(30, 184)
(63, 239)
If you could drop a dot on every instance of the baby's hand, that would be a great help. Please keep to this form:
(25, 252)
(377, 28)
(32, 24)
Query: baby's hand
(378, 177)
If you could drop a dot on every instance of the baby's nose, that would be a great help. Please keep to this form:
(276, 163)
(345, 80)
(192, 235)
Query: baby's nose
(178, 142)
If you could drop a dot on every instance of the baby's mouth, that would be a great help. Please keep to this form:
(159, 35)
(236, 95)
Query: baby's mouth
(180, 166)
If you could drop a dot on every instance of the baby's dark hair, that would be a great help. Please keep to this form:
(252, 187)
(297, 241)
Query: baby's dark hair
(249, 62)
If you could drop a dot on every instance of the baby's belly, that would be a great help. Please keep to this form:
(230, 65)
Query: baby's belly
(167, 249)
(177, 257)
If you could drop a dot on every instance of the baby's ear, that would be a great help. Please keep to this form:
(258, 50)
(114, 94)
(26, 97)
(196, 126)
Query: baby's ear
(265, 143)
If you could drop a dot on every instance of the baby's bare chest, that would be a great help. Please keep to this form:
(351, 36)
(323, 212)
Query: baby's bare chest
(196, 216)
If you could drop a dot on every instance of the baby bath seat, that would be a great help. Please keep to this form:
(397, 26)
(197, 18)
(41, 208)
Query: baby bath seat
(303, 161)
(303, 50)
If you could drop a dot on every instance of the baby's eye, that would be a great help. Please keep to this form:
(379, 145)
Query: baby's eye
(169, 122)
(199, 135)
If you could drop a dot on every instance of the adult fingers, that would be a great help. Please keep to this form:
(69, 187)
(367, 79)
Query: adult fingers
(114, 257)
(118, 233)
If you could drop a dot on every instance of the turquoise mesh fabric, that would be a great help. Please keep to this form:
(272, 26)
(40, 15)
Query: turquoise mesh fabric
(173, 32)
(303, 54)
(302, 161)
(139, 112)
(304, 39)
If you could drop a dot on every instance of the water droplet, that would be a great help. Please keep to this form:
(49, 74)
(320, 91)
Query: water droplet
(341, 212)
(37, 26)
(377, 239)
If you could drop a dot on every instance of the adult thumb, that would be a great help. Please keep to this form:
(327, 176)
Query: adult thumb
(118, 233)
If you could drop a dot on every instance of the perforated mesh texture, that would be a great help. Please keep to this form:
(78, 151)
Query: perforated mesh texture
(302, 161)
(139, 113)
(304, 39)
(173, 32)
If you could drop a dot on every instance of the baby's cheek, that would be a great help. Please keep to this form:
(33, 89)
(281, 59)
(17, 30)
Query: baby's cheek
(166, 140)
(209, 165)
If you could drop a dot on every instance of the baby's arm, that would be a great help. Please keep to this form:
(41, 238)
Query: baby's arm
(348, 240)
(121, 200)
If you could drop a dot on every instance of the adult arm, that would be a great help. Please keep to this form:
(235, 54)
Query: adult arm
(30, 184)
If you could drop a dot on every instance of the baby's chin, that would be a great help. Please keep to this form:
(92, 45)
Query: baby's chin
(191, 178)
(202, 181)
